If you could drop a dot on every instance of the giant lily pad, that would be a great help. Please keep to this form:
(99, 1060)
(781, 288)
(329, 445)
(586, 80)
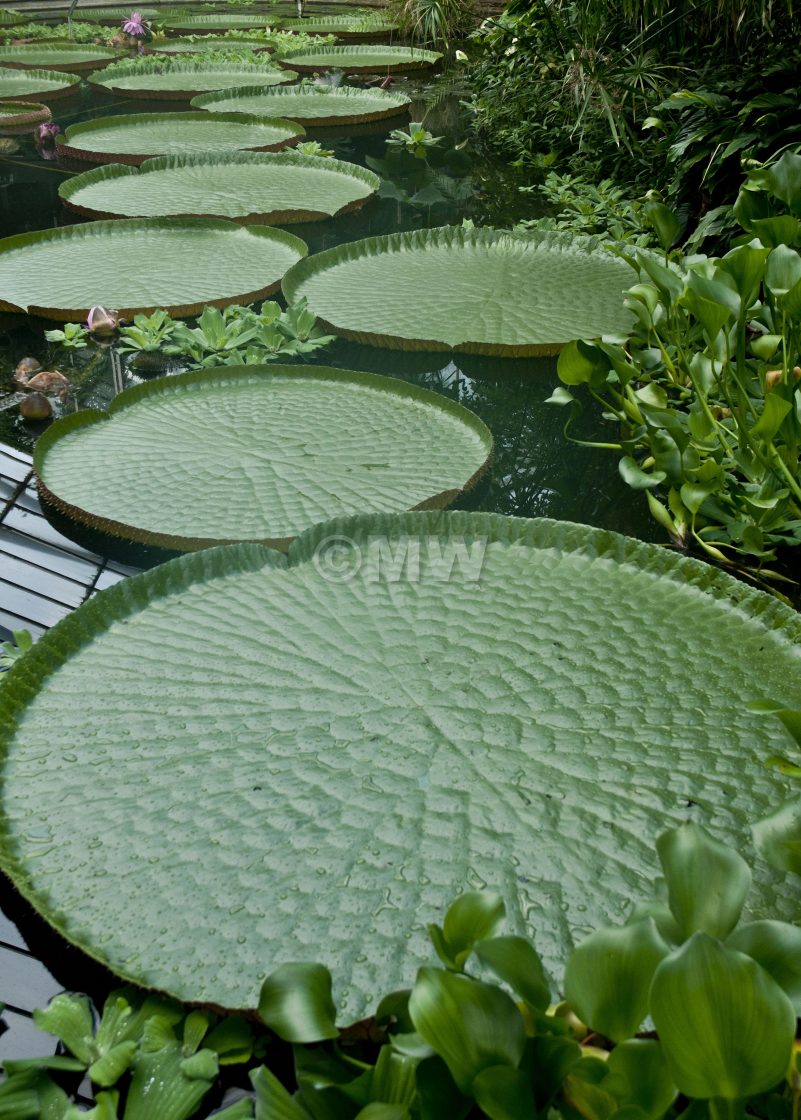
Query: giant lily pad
(257, 453)
(208, 43)
(22, 85)
(176, 79)
(67, 57)
(21, 116)
(356, 26)
(114, 15)
(218, 21)
(133, 139)
(9, 17)
(482, 291)
(179, 264)
(377, 59)
(279, 750)
(246, 186)
(344, 105)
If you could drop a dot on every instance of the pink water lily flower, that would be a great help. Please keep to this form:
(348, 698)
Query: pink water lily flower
(102, 323)
(134, 25)
(46, 133)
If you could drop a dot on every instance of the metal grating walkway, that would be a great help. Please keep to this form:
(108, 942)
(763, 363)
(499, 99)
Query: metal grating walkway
(43, 576)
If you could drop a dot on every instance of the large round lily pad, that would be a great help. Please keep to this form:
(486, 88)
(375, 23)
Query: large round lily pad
(73, 58)
(257, 453)
(114, 15)
(208, 43)
(244, 186)
(356, 26)
(218, 21)
(377, 59)
(344, 105)
(482, 291)
(166, 79)
(25, 85)
(21, 116)
(133, 139)
(179, 264)
(283, 763)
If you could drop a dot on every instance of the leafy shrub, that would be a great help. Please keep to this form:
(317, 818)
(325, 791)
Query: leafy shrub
(579, 206)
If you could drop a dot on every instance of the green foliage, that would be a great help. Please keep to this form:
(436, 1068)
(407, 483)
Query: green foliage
(578, 205)
(12, 651)
(314, 148)
(74, 336)
(470, 1046)
(704, 388)
(415, 139)
(434, 22)
(41, 32)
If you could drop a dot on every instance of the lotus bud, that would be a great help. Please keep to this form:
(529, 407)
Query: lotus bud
(102, 323)
(35, 406)
(26, 367)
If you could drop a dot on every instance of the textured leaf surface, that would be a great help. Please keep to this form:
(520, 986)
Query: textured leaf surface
(344, 25)
(56, 56)
(278, 188)
(133, 138)
(219, 21)
(180, 264)
(479, 290)
(344, 105)
(259, 453)
(114, 15)
(541, 724)
(207, 43)
(179, 78)
(360, 59)
(35, 83)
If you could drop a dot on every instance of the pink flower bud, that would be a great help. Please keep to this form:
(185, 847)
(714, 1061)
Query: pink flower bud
(103, 323)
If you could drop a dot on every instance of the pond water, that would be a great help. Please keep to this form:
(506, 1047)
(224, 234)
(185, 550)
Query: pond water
(536, 472)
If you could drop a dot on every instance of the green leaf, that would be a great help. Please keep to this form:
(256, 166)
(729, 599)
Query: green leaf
(725, 1025)
(108, 1069)
(273, 1101)
(746, 265)
(774, 410)
(634, 476)
(69, 1018)
(777, 947)
(516, 962)
(608, 975)
(664, 222)
(379, 1111)
(778, 836)
(474, 915)
(438, 1093)
(296, 1003)
(582, 363)
(360, 59)
(637, 1074)
(232, 1040)
(471, 1025)
(783, 270)
(707, 882)
(504, 1094)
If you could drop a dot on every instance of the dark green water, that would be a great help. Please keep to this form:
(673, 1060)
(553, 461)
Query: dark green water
(536, 471)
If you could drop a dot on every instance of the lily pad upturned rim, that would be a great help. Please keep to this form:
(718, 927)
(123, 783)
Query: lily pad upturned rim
(169, 65)
(129, 597)
(30, 114)
(410, 59)
(180, 46)
(350, 28)
(208, 23)
(92, 229)
(387, 244)
(86, 155)
(89, 56)
(167, 386)
(398, 103)
(112, 171)
(67, 83)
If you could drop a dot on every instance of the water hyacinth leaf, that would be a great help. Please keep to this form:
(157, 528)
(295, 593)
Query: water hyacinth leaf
(258, 453)
(308, 104)
(707, 882)
(472, 916)
(377, 1110)
(637, 1074)
(307, 697)
(72, 58)
(244, 186)
(515, 961)
(634, 476)
(725, 1025)
(273, 1101)
(178, 264)
(582, 363)
(471, 1025)
(783, 270)
(360, 59)
(778, 836)
(504, 1093)
(474, 290)
(777, 947)
(664, 222)
(296, 1003)
(608, 976)
(27, 85)
(132, 139)
(168, 79)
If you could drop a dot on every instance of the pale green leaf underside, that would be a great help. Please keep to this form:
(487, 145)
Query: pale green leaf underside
(480, 290)
(176, 75)
(273, 760)
(261, 453)
(177, 134)
(305, 103)
(371, 58)
(167, 263)
(224, 21)
(32, 83)
(234, 185)
(208, 43)
(43, 55)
